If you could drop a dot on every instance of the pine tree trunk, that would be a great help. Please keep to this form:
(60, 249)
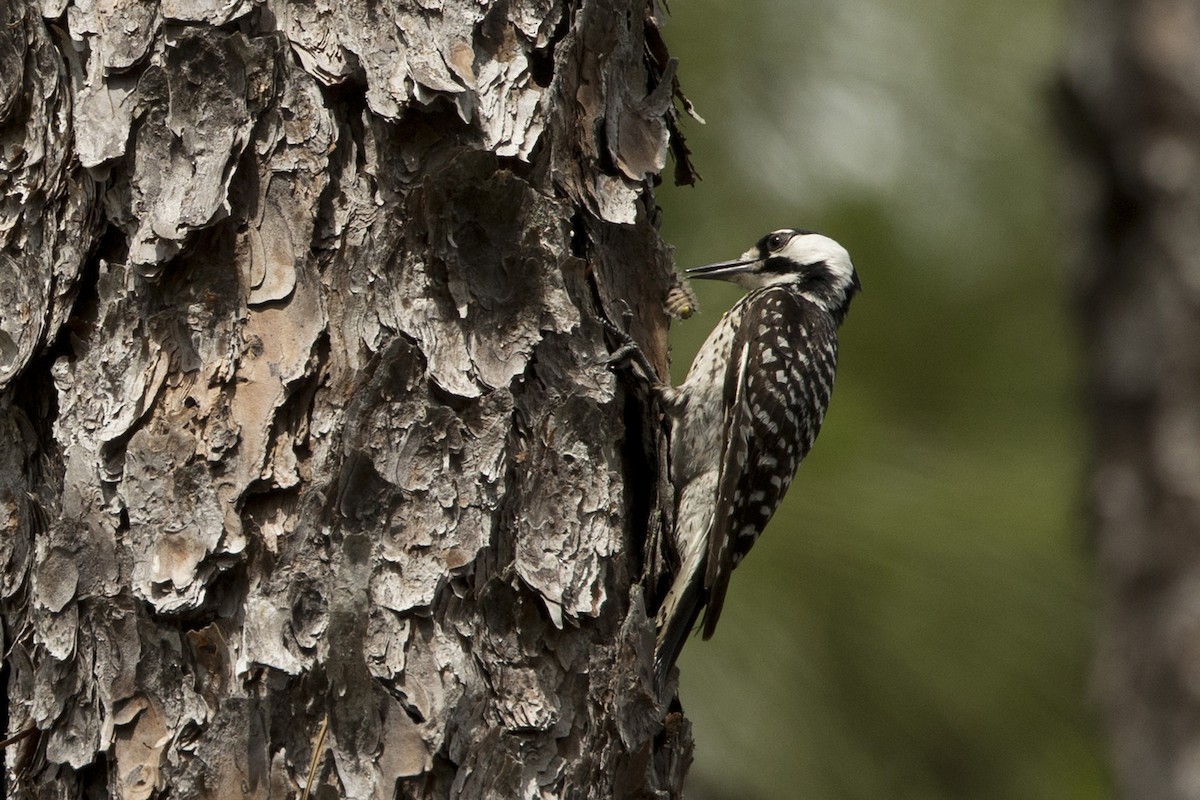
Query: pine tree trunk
(1135, 110)
(310, 446)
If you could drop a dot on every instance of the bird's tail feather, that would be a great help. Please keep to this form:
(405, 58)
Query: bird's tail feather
(683, 602)
(676, 623)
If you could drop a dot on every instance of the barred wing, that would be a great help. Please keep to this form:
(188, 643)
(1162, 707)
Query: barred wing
(777, 387)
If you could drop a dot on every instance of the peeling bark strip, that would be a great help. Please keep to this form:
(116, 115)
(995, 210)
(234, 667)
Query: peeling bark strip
(303, 397)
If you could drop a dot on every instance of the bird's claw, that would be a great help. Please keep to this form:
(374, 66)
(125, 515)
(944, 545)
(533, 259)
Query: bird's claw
(628, 352)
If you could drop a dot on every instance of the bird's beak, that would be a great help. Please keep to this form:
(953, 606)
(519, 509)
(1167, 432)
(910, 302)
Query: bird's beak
(724, 270)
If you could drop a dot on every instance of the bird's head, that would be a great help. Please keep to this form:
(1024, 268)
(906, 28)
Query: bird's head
(815, 265)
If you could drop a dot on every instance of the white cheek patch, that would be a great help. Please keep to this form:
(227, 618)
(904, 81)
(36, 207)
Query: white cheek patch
(809, 248)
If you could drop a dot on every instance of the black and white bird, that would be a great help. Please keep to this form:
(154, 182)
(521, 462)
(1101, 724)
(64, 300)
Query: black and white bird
(748, 413)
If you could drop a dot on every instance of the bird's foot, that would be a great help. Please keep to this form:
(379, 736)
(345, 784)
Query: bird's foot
(628, 353)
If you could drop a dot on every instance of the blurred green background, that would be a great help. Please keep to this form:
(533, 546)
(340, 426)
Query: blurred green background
(916, 622)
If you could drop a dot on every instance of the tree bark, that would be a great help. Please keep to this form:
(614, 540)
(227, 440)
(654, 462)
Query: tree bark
(1135, 112)
(310, 448)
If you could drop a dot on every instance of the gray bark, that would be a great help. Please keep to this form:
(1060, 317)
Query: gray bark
(1134, 104)
(310, 448)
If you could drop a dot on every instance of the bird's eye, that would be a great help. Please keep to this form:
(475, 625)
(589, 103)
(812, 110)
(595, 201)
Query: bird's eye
(777, 240)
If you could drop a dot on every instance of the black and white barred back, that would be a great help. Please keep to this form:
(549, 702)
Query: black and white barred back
(748, 413)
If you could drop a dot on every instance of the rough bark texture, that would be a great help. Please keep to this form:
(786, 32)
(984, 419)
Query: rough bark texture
(1134, 92)
(304, 404)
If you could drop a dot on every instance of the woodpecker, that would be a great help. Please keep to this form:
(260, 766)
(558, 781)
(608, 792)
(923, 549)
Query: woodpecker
(747, 414)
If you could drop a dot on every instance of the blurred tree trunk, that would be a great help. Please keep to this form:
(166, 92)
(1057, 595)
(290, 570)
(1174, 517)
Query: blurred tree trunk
(309, 447)
(1134, 92)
